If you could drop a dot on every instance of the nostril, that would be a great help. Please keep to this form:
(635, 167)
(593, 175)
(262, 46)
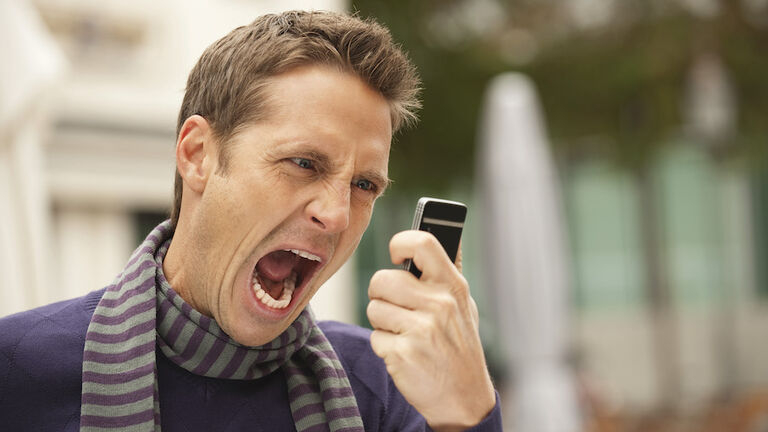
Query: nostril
(317, 221)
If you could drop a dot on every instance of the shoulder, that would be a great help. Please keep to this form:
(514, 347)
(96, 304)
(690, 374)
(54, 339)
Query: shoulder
(353, 346)
(382, 406)
(41, 353)
(65, 320)
(347, 339)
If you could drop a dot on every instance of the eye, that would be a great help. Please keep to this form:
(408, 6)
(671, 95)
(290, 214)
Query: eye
(365, 185)
(303, 163)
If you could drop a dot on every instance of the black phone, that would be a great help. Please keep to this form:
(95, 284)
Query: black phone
(445, 220)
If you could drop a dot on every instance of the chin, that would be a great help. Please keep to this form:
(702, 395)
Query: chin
(256, 321)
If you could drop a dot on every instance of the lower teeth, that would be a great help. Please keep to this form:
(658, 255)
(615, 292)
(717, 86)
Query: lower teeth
(289, 284)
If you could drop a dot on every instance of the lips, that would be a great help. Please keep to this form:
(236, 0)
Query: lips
(281, 273)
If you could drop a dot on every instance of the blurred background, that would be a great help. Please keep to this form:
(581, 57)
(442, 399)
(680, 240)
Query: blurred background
(612, 154)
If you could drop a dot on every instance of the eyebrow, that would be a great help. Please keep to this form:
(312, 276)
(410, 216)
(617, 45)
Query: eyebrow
(321, 158)
(382, 181)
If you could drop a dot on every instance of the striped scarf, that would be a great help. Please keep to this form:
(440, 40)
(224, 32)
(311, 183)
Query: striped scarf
(140, 311)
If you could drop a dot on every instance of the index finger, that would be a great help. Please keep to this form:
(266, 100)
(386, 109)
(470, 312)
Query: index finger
(424, 249)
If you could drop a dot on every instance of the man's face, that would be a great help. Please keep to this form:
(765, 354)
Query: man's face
(291, 205)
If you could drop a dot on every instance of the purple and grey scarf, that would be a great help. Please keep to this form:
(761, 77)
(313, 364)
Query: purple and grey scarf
(140, 311)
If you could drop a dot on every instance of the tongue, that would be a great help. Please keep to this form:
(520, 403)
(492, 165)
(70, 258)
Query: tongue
(277, 265)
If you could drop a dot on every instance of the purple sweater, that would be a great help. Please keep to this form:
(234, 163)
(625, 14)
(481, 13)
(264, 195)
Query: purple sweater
(41, 354)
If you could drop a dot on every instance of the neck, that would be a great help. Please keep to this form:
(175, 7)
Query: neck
(174, 265)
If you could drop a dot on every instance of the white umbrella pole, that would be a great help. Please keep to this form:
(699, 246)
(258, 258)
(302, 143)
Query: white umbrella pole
(527, 258)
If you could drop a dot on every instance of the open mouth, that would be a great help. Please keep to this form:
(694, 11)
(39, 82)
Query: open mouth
(280, 273)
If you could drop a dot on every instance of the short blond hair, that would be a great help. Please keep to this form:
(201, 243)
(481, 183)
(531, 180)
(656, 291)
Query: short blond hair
(226, 86)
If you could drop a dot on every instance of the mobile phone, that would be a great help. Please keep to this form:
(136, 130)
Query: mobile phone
(445, 220)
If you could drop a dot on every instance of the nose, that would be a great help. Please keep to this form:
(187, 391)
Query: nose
(329, 210)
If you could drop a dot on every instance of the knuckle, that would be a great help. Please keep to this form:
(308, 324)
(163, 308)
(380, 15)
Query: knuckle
(379, 276)
(406, 350)
(429, 327)
(426, 240)
(395, 241)
(376, 313)
(375, 282)
(370, 311)
(461, 286)
(444, 303)
(474, 311)
(379, 281)
(473, 305)
(426, 325)
(376, 344)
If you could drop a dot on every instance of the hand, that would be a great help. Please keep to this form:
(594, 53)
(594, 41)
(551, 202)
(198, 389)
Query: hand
(426, 330)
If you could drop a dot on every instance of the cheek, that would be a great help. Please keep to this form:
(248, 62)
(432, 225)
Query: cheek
(239, 202)
(358, 224)
(349, 240)
(362, 217)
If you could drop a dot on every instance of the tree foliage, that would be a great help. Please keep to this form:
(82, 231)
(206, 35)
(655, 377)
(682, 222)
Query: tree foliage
(615, 88)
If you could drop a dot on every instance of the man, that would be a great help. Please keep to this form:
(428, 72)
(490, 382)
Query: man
(282, 149)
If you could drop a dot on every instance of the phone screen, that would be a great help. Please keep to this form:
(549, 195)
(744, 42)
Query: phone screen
(448, 233)
(445, 220)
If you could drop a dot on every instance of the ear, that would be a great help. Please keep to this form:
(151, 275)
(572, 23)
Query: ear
(195, 153)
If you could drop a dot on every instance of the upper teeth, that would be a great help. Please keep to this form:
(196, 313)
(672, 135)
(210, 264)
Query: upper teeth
(304, 254)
